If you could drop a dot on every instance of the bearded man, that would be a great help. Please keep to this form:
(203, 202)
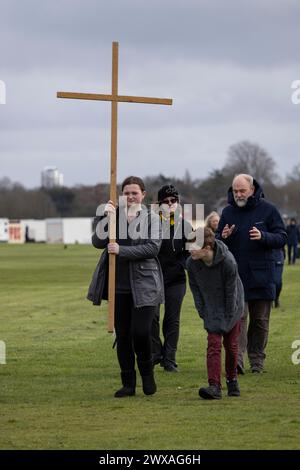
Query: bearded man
(253, 229)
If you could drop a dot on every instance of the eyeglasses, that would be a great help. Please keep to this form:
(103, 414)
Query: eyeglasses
(169, 201)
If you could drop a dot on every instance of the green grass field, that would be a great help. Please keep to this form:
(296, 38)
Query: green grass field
(56, 390)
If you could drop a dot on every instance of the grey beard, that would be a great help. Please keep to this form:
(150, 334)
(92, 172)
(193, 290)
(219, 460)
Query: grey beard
(241, 203)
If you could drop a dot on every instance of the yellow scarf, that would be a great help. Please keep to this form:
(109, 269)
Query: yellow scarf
(171, 219)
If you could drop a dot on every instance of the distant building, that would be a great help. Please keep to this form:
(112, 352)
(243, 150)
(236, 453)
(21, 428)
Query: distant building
(15, 232)
(34, 230)
(52, 178)
(69, 230)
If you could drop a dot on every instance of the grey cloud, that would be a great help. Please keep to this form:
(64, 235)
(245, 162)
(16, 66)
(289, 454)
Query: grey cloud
(228, 65)
(73, 32)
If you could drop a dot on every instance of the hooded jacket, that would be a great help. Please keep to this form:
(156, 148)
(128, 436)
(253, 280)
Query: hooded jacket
(255, 258)
(217, 290)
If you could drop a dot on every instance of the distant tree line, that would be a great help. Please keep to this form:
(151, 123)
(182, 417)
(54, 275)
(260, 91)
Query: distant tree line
(16, 202)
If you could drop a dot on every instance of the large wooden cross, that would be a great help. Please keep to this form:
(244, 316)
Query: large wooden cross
(114, 98)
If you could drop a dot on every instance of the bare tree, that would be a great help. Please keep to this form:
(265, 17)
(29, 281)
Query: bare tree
(294, 176)
(251, 158)
(7, 184)
(212, 191)
(291, 192)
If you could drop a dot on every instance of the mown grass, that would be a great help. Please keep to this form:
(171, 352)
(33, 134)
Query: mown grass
(56, 390)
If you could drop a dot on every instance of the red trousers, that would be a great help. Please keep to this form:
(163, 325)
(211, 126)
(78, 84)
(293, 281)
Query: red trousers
(214, 356)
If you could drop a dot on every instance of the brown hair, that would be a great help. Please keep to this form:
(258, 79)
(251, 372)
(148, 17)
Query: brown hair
(134, 180)
(209, 238)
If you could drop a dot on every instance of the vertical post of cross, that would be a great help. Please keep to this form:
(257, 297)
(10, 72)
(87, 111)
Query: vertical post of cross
(113, 184)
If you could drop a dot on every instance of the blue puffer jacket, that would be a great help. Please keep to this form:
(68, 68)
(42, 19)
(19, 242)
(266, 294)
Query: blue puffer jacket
(255, 258)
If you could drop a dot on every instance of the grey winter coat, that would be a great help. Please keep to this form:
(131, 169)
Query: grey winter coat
(146, 279)
(217, 290)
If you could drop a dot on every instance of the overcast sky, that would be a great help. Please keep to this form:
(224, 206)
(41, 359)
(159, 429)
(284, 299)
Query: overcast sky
(227, 64)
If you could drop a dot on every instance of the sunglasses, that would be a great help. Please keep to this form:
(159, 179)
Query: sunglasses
(172, 200)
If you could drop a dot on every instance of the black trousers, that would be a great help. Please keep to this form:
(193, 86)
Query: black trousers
(292, 252)
(133, 331)
(166, 352)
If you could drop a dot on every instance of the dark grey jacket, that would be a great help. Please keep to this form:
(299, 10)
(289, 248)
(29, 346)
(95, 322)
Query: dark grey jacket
(146, 277)
(217, 290)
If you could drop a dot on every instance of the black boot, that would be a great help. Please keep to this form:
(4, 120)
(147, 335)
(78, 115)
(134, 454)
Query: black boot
(212, 392)
(129, 381)
(169, 365)
(233, 388)
(146, 371)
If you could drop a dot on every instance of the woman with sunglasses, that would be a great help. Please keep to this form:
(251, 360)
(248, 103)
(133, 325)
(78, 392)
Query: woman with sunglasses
(172, 257)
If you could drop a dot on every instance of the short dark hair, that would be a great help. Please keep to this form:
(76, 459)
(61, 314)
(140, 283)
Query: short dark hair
(209, 237)
(134, 180)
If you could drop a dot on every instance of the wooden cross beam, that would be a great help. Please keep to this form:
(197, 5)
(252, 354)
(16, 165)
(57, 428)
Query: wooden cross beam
(114, 98)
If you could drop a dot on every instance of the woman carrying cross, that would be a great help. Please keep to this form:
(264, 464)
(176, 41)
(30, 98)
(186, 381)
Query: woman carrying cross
(139, 283)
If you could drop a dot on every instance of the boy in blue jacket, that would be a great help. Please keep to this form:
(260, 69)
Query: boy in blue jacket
(219, 299)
